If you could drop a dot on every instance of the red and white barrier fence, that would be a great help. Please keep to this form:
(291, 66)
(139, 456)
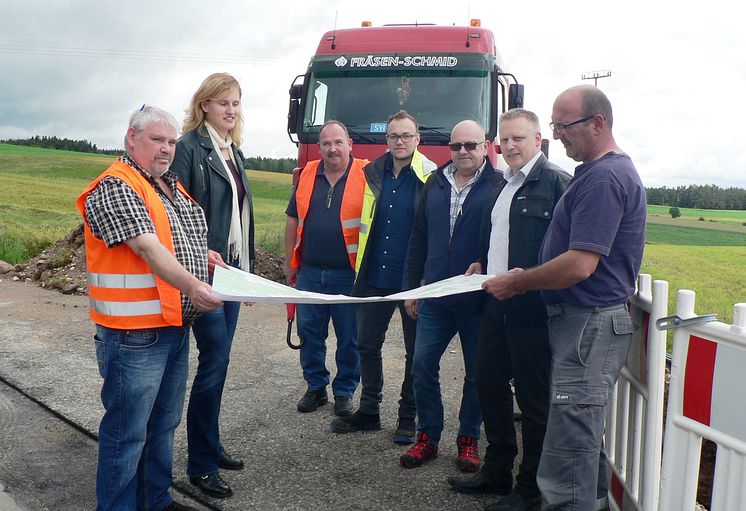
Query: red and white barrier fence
(634, 422)
(706, 399)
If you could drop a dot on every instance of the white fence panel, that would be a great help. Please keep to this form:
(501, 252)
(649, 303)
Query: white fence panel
(706, 399)
(634, 422)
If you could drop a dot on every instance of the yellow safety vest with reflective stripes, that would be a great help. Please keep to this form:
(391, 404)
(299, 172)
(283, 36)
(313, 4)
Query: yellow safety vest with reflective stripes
(124, 291)
(349, 213)
(422, 168)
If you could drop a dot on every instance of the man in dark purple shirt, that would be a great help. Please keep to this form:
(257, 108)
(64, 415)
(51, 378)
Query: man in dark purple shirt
(588, 265)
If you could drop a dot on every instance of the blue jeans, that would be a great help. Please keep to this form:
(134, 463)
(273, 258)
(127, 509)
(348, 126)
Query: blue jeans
(313, 329)
(437, 324)
(213, 333)
(589, 346)
(144, 374)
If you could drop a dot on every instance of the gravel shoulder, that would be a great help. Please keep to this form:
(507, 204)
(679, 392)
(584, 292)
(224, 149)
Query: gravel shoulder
(293, 460)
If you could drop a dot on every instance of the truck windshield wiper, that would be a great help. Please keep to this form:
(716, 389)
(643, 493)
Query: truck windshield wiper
(364, 138)
(436, 130)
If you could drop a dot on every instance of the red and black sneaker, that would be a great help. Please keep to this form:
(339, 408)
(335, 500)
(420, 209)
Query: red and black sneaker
(420, 452)
(468, 454)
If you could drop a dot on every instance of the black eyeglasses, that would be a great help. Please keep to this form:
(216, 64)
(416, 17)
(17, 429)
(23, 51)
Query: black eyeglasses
(559, 127)
(404, 137)
(469, 146)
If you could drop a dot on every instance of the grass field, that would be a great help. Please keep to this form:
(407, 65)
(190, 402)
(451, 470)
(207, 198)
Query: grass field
(716, 274)
(39, 187)
(710, 215)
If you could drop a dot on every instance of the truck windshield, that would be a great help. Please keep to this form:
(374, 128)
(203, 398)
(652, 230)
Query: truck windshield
(363, 98)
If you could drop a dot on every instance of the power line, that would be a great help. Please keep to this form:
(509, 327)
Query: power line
(157, 56)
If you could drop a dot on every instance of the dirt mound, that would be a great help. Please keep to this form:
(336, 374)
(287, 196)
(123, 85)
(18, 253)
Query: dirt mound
(62, 266)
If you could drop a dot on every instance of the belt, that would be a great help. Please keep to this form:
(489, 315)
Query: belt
(569, 308)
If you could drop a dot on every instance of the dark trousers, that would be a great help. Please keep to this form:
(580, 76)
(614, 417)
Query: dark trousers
(373, 322)
(213, 333)
(511, 348)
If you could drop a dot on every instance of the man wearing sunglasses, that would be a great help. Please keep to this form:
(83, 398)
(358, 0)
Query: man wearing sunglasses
(444, 242)
(513, 338)
(394, 184)
(589, 259)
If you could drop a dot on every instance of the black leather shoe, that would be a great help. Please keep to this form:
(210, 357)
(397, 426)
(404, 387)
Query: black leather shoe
(312, 399)
(516, 502)
(228, 462)
(478, 483)
(212, 485)
(358, 421)
(342, 406)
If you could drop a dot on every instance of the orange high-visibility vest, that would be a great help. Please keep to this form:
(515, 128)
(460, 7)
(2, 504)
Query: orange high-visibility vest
(125, 293)
(349, 213)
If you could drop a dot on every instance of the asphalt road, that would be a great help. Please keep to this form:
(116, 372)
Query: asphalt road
(50, 409)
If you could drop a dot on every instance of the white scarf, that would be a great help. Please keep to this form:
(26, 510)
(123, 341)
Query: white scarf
(238, 236)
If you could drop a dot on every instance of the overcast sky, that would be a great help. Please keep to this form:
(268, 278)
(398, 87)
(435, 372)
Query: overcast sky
(78, 68)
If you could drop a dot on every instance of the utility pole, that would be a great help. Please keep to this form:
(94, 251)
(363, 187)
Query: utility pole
(595, 75)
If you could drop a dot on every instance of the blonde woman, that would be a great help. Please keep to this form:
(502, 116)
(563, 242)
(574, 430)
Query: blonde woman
(209, 164)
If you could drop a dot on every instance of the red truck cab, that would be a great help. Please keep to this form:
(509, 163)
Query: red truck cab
(440, 74)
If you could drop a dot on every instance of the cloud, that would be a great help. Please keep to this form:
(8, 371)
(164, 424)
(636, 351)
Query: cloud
(77, 69)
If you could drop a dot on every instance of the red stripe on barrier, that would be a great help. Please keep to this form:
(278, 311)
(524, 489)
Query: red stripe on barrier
(700, 368)
(617, 490)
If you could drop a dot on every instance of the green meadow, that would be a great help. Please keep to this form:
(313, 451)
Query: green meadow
(38, 188)
(729, 217)
(708, 257)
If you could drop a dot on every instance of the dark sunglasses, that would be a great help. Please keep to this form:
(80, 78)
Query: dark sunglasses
(469, 146)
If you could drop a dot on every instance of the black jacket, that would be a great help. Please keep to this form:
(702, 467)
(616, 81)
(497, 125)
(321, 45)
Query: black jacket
(200, 171)
(530, 214)
(432, 254)
(374, 172)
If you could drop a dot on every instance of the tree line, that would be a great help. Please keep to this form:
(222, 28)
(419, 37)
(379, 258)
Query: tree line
(64, 144)
(284, 165)
(698, 197)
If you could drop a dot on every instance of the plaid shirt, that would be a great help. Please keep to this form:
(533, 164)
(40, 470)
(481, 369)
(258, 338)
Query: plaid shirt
(116, 213)
(458, 196)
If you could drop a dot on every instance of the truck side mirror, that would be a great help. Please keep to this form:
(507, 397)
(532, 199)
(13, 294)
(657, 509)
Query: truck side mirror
(295, 92)
(293, 110)
(515, 96)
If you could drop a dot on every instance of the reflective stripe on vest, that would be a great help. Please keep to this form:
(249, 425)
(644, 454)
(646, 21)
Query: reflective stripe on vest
(349, 211)
(126, 308)
(121, 280)
(353, 223)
